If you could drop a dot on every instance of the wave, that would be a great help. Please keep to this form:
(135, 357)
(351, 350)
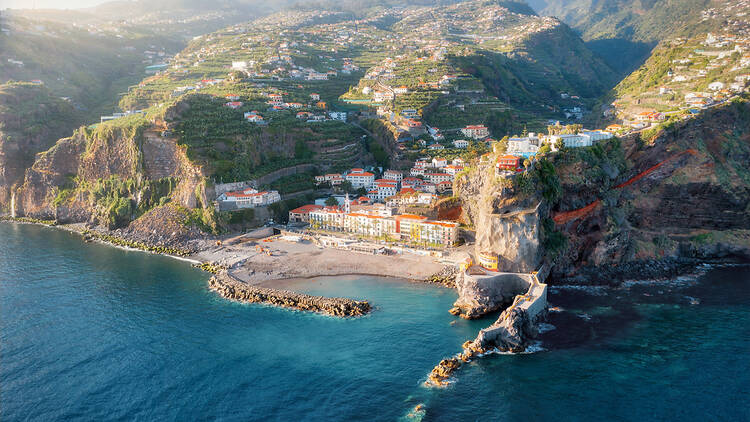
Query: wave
(545, 327)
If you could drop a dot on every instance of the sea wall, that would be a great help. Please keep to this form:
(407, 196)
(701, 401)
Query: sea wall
(231, 288)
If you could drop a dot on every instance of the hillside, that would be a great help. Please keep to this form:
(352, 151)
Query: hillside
(691, 73)
(90, 66)
(624, 31)
(639, 207)
(659, 199)
(31, 121)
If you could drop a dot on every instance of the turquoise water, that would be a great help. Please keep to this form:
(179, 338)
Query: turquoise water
(91, 332)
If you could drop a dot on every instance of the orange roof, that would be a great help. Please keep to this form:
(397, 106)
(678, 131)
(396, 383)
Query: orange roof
(367, 174)
(441, 223)
(410, 217)
(305, 209)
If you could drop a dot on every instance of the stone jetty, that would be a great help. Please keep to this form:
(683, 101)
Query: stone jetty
(233, 289)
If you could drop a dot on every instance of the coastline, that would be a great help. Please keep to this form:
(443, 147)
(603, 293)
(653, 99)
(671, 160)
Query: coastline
(256, 285)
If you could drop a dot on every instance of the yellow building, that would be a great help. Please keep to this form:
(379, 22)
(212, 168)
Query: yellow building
(488, 260)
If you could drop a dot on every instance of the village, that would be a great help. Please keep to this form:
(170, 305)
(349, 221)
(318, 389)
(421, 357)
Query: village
(700, 72)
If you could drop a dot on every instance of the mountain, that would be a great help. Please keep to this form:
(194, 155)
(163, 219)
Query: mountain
(624, 31)
(88, 64)
(692, 72)
(492, 62)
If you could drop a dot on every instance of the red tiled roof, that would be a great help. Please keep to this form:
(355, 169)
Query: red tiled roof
(305, 209)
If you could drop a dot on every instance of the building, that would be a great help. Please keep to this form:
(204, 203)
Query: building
(439, 162)
(453, 169)
(315, 96)
(234, 104)
(476, 131)
(571, 141)
(488, 260)
(302, 214)
(439, 177)
(360, 179)
(248, 198)
(524, 147)
(393, 175)
(327, 218)
(509, 163)
(461, 143)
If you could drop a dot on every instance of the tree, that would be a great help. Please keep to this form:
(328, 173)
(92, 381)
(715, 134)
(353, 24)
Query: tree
(545, 149)
(347, 186)
(559, 144)
(502, 145)
(331, 201)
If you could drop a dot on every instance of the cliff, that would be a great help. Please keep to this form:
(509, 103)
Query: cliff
(113, 174)
(654, 203)
(31, 121)
(507, 223)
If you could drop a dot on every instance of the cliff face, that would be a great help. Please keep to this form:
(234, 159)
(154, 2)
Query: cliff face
(31, 121)
(506, 224)
(670, 197)
(111, 175)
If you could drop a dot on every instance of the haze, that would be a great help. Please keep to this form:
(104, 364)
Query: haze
(49, 4)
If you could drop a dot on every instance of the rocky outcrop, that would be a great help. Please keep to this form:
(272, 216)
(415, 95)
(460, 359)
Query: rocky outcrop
(507, 225)
(231, 288)
(52, 169)
(513, 331)
(482, 292)
(445, 277)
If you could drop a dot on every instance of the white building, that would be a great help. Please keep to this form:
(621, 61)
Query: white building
(361, 179)
(571, 141)
(249, 198)
(461, 143)
(476, 131)
(439, 177)
(393, 175)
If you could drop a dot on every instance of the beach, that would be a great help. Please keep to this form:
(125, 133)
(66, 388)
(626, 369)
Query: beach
(283, 260)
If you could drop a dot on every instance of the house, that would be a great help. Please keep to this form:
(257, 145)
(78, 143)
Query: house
(461, 143)
(439, 177)
(438, 162)
(315, 96)
(716, 86)
(302, 214)
(232, 97)
(361, 179)
(304, 115)
(443, 186)
(400, 90)
(458, 161)
(476, 131)
(509, 163)
(411, 183)
(275, 99)
(524, 147)
(234, 104)
(614, 128)
(248, 198)
(435, 147)
(338, 115)
(393, 175)
(384, 191)
(413, 123)
(410, 113)
(253, 117)
(428, 187)
(453, 169)
(382, 96)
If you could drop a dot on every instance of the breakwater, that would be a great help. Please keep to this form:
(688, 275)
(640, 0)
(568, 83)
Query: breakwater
(233, 289)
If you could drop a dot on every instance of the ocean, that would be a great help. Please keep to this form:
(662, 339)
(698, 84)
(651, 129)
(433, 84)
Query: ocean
(93, 332)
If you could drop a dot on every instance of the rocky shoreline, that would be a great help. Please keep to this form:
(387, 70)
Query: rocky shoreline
(233, 289)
